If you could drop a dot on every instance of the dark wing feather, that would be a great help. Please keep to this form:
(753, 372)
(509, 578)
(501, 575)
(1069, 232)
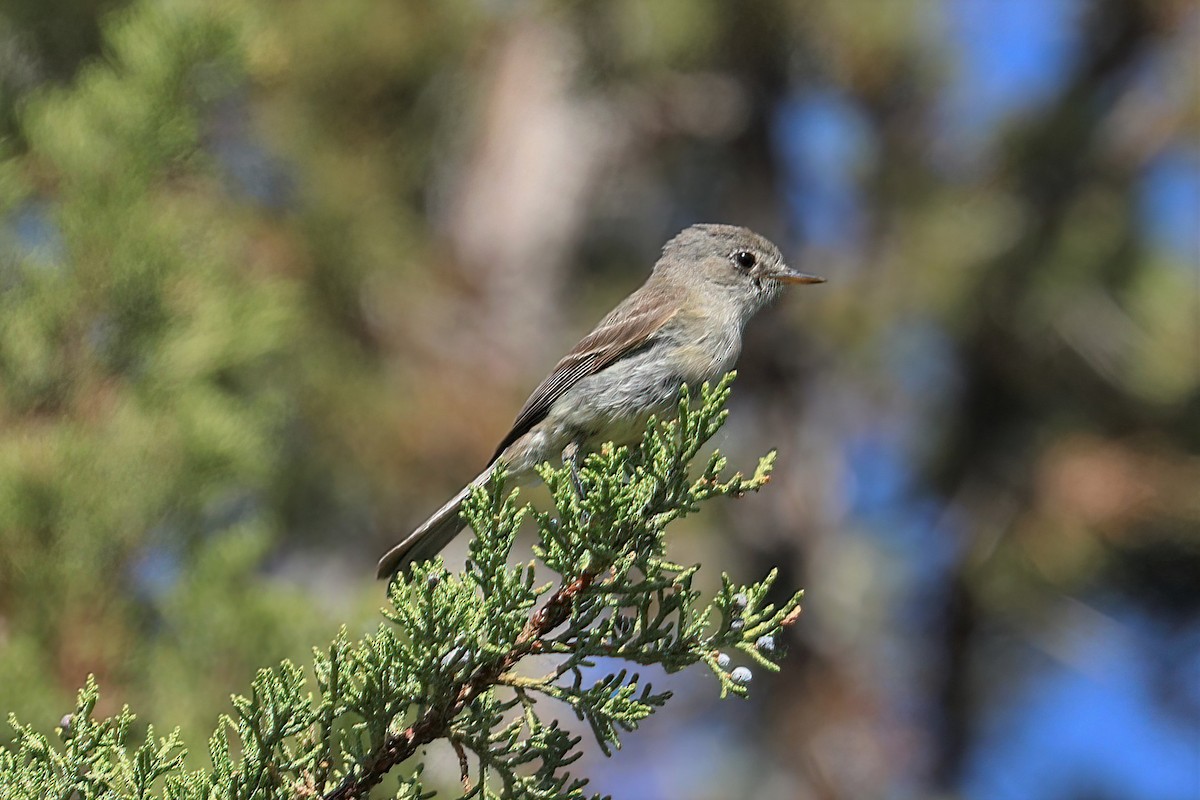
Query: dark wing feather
(628, 327)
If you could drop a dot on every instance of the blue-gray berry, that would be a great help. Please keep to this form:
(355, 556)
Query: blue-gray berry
(740, 601)
(766, 644)
(453, 657)
(737, 624)
(741, 675)
(723, 660)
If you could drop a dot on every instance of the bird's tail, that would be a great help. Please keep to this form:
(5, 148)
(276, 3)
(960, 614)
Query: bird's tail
(433, 534)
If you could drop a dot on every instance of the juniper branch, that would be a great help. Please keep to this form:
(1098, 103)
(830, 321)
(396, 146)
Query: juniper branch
(443, 667)
(435, 724)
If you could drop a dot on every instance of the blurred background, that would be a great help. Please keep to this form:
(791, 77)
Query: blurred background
(275, 277)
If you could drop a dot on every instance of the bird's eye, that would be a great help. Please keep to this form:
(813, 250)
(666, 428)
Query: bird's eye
(744, 259)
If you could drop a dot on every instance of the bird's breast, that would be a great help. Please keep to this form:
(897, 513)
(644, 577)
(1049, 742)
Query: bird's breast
(705, 347)
(619, 398)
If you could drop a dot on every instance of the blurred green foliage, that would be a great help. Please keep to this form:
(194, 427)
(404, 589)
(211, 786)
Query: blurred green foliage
(144, 387)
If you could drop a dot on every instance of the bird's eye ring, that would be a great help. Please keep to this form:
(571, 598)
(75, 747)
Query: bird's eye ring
(744, 259)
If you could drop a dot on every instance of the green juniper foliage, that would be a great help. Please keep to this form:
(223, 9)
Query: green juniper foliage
(444, 663)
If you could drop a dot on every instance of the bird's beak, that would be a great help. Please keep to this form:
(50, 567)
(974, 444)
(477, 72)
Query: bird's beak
(787, 275)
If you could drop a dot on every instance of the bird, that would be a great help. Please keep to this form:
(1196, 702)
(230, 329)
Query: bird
(682, 326)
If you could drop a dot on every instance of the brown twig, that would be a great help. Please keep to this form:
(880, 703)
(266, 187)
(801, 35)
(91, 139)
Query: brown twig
(435, 723)
(792, 617)
(463, 768)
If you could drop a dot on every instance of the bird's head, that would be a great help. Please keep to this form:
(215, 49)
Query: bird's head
(736, 262)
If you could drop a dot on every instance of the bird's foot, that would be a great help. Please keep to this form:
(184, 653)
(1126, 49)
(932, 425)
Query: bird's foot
(571, 457)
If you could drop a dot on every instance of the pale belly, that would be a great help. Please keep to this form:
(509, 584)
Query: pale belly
(615, 403)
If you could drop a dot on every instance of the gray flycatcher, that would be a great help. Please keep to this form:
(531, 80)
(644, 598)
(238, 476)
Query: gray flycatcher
(684, 325)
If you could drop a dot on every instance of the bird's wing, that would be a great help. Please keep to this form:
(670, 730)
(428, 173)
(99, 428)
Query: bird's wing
(630, 326)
